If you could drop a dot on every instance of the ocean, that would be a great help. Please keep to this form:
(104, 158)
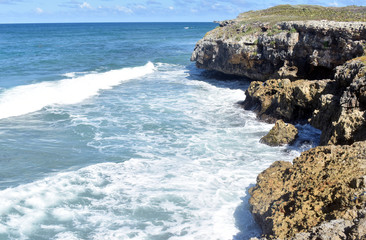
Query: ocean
(108, 131)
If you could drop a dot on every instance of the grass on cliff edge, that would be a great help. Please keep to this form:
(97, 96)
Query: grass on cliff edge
(248, 23)
(304, 12)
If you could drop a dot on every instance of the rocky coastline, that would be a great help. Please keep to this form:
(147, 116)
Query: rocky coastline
(304, 70)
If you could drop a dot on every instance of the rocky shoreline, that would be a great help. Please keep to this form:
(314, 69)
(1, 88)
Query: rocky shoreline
(309, 72)
(323, 184)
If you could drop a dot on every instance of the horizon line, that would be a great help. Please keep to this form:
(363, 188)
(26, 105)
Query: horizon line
(110, 22)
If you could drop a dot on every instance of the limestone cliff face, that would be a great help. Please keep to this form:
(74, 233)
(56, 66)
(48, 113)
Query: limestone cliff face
(337, 107)
(323, 184)
(294, 49)
(347, 109)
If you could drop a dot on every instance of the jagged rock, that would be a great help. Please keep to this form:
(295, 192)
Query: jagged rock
(339, 229)
(290, 50)
(296, 49)
(280, 134)
(323, 184)
(345, 113)
(337, 107)
(283, 99)
(226, 23)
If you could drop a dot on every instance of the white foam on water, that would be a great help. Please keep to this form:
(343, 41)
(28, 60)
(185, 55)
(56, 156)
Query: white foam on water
(130, 200)
(65, 235)
(29, 98)
(188, 179)
(76, 74)
(70, 74)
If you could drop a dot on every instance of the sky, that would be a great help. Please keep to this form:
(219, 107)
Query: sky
(50, 11)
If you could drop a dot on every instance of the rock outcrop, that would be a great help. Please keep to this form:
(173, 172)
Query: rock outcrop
(294, 50)
(347, 109)
(339, 229)
(337, 107)
(285, 55)
(323, 184)
(283, 99)
(282, 133)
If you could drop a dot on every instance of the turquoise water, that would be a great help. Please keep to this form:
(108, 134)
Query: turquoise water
(107, 131)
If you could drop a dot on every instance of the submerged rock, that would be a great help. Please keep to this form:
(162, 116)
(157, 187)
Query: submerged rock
(323, 184)
(281, 134)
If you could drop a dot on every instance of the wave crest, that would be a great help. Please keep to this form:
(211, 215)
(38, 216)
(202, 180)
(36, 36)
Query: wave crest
(30, 98)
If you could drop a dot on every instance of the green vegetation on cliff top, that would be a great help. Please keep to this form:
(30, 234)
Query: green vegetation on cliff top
(304, 12)
(249, 23)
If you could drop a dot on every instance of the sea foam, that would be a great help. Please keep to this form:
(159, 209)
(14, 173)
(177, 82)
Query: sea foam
(194, 155)
(30, 98)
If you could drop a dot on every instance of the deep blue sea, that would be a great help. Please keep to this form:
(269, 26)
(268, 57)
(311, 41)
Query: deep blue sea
(108, 131)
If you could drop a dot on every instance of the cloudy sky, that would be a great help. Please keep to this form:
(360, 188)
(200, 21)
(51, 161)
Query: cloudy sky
(27, 11)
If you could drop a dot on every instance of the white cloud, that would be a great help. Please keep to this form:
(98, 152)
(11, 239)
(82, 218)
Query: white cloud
(39, 10)
(334, 4)
(171, 8)
(140, 7)
(123, 9)
(85, 5)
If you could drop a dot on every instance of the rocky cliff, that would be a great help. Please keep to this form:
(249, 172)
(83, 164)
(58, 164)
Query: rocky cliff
(256, 46)
(335, 106)
(310, 70)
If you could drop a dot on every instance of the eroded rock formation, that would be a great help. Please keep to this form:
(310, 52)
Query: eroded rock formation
(295, 50)
(337, 107)
(323, 184)
(284, 99)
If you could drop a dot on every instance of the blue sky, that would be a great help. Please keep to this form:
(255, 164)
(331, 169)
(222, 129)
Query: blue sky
(27, 11)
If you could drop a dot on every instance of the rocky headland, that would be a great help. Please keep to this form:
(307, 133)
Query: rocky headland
(308, 65)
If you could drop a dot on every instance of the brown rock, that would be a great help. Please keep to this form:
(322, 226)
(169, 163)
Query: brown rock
(283, 99)
(323, 184)
(280, 134)
(337, 107)
(344, 114)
